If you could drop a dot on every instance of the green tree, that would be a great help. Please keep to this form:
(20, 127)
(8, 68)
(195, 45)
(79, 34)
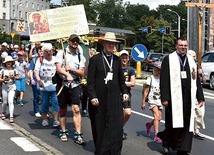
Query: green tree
(89, 8)
(110, 13)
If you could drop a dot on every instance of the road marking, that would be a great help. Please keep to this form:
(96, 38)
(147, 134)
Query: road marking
(4, 126)
(162, 121)
(25, 144)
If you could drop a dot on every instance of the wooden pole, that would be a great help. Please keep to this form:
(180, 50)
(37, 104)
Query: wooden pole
(199, 36)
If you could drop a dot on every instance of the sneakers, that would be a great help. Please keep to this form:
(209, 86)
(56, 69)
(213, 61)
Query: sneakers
(21, 103)
(157, 140)
(15, 100)
(38, 115)
(45, 123)
(56, 124)
(85, 113)
(199, 136)
(11, 120)
(3, 116)
(148, 127)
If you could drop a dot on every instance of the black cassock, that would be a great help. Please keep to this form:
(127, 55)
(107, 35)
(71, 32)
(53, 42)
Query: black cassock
(107, 117)
(177, 138)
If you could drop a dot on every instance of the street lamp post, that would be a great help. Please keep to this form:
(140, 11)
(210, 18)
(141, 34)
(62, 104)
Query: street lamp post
(179, 22)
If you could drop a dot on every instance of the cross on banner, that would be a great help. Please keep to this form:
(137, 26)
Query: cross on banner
(200, 5)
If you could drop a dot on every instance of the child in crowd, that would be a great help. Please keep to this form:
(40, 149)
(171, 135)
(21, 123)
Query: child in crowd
(152, 90)
(8, 75)
(21, 67)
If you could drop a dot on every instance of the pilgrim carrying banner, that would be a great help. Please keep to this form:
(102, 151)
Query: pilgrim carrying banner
(57, 23)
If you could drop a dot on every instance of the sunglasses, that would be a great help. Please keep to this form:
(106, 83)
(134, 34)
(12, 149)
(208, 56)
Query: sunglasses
(75, 40)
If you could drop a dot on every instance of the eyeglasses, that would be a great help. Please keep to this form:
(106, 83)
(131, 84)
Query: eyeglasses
(75, 40)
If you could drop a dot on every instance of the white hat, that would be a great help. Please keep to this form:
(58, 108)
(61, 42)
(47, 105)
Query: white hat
(16, 46)
(109, 36)
(124, 52)
(4, 55)
(4, 44)
(8, 59)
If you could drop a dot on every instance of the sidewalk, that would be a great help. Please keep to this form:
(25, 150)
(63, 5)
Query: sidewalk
(142, 80)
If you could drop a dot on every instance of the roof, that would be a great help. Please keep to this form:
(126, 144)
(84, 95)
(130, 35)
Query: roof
(118, 32)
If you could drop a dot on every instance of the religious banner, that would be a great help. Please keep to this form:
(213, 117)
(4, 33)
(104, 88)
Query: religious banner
(57, 23)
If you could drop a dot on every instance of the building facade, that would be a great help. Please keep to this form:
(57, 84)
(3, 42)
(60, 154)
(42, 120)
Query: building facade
(14, 11)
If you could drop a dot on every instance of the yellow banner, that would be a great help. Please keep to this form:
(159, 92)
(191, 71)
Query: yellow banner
(57, 23)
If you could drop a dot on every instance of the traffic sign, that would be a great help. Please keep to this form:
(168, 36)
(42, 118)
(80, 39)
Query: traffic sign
(139, 52)
(162, 30)
(144, 29)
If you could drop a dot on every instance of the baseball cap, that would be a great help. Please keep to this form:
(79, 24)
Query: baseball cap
(16, 46)
(124, 52)
(4, 44)
(73, 36)
(4, 55)
(157, 64)
(20, 53)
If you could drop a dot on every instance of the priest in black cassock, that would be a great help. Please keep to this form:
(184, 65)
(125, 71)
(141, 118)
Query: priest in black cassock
(107, 91)
(179, 86)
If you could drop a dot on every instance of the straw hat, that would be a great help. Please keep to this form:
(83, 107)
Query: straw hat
(109, 36)
(8, 59)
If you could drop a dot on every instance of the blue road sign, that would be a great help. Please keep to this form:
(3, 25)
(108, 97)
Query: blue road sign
(162, 30)
(139, 52)
(144, 29)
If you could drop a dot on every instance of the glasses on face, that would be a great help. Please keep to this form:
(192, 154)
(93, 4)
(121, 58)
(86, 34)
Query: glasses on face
(75, 40)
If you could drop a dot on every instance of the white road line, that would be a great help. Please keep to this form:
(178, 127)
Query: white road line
(162, 121)
(4, 126)
(25, 144)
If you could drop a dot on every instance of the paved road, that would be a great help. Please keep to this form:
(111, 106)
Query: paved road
(27, 132)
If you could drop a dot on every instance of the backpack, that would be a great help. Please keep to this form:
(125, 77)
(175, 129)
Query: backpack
(58, 77)
(144, 86)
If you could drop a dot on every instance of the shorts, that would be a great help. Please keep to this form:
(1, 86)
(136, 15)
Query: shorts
(69, 96)
(152, 105)
(21, 84)
(128, 103)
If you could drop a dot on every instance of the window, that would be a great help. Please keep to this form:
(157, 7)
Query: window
(42, 7)
(20, 14)
(25, 15)
(32, 5)
(4, 3)
(37, 7)
(26, 4)
(4, 15)
(14, 13)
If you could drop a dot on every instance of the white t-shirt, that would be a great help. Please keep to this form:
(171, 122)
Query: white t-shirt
(154, 92)
(46, 70)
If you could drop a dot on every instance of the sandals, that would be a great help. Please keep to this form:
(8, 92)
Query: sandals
(79, 138)
(63, 135)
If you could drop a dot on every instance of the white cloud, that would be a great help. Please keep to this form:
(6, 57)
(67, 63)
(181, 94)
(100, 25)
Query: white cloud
(153, 4)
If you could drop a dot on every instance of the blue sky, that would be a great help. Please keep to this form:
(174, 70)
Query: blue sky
(151, 3)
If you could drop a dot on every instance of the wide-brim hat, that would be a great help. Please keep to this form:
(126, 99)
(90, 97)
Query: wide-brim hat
(109, 36)
(8, 59)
